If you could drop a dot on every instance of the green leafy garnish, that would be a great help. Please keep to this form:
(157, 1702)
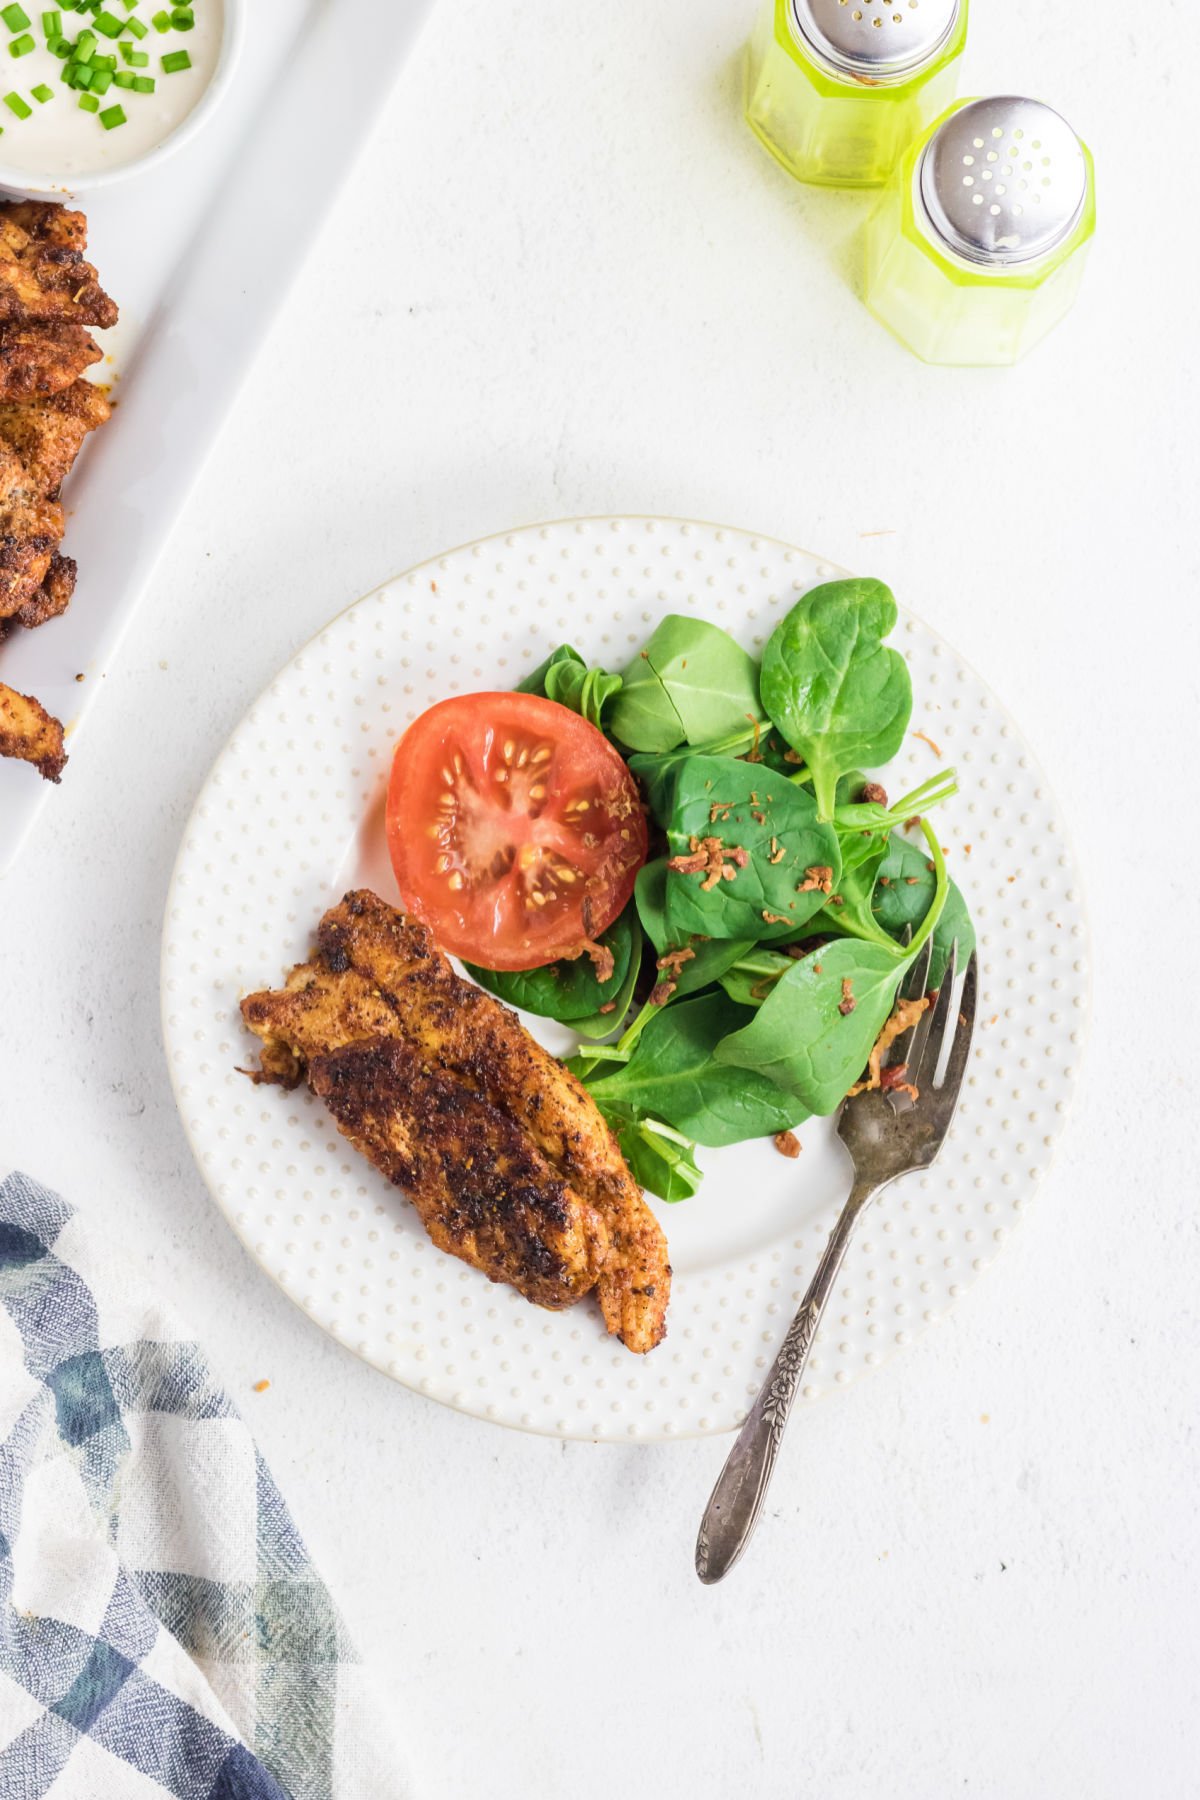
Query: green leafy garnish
(690, 684)
(749, 858)
(570, 991)
(672, 1075)
(840, 697)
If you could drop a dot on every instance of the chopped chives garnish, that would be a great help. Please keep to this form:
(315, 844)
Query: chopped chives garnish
(15, 17)
(161, 21)
(21, 46)
(112, 115)
(42, 93)
(104, 62)
(85, 43)
(109, 25)
(135, 27)
(60, 47)
(132, 55)
(176, 60)
(88, 103)
(52, 24)
(101, 81)
(82, 75)
(143, 84)
(182, 18)
(123, 78)
(15, 104)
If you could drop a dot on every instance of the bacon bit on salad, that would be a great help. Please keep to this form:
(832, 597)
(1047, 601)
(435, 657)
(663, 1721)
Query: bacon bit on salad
(708, 858)
(260, 1387)
(911, 880)
(903, 1018)
(926, 739)
(847, 1003)
(754, 754)
(817, 968)
(673, 960)
(602, 959)
(966, 849)
(817, 880)
(836, 900)
(661, 992)
(719, 811)
(609, 1006)
(778, 852)
(885, 881)
(776, 918)
(760, 818)
(913, 824)
(787, 1144)
(874, 794)
(793, 756)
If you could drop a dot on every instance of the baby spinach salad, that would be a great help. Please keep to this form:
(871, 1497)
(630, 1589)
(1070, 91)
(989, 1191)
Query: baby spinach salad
(744, 987)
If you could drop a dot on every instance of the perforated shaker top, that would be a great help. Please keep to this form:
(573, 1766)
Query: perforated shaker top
(874, 41)
(1003, 181)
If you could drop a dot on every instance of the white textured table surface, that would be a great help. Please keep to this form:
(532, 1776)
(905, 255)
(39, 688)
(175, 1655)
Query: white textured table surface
(566, 280)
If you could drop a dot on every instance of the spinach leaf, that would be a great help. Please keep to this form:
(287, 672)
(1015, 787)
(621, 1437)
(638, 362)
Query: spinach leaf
(658, 771)
(535, 681)
(585, 691)
(838, 695)
(659, 1159)
(905, 892)
(602, 1024)
(566, 678)
(800, 1038)
(690, 684)
(569, 990)
(753, 975)
(672, 1075)
(709, 959)
(766, 831)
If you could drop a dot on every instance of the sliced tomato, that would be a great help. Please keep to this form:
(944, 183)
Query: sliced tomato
(515, 829)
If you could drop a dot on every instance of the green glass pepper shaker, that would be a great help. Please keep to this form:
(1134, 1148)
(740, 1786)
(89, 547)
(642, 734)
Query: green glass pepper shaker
(838, 89)
(978, 244)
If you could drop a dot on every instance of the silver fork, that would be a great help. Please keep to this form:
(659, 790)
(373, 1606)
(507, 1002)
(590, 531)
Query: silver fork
(887, 1136)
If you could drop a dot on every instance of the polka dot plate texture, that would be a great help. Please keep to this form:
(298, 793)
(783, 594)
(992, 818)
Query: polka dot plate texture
(292, 815)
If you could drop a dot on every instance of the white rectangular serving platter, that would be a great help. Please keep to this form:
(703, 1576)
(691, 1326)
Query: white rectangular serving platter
(198, 254)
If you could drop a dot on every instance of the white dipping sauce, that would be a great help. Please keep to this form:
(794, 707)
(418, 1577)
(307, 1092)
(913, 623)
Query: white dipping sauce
(59, 139)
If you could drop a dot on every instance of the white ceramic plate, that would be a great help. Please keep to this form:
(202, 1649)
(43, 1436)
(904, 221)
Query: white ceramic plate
(291, 816)
(198, 253)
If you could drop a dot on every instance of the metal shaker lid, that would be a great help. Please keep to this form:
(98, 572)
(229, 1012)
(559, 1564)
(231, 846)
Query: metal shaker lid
(1003, 181)
(876, 42)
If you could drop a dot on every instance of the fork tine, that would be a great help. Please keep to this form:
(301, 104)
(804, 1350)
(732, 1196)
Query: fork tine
(931, 1031)
(916, 1046)
(964, 1029)
(913, 986)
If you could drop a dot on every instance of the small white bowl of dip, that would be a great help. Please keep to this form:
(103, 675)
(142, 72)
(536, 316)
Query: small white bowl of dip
(61, 148)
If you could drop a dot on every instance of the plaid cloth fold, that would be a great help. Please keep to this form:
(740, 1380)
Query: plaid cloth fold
(162, 1629)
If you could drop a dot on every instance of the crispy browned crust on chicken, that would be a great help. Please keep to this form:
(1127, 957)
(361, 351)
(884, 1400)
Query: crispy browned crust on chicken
(378, 980)
(47, 434)
(43, 359)
(43, 275)
(28, 733)
(30, 529)
(483, 1191)
(51, 599)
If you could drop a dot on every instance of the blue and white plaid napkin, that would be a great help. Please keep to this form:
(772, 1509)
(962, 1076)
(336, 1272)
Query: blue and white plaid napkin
(162, 1630)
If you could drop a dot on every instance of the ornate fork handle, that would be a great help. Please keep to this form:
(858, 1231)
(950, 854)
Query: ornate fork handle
(736, 1501)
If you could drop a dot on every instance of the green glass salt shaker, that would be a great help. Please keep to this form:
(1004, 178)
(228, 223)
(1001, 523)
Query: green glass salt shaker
(977, 247)
(838, 89)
